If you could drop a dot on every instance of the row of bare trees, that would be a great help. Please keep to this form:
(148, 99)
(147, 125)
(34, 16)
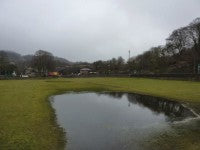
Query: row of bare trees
(6, 67)
(41, 62)
(113, 66)
(181, 54)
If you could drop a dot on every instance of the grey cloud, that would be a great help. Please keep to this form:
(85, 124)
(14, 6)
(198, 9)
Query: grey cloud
(88, 30)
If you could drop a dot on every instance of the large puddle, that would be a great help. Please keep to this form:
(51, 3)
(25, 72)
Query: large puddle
(106, 121)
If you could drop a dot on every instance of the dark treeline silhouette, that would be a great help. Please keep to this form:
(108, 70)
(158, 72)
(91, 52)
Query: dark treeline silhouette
(43, 62)
(113, 66)
(6, 67)
(39, 64)
(181, 54)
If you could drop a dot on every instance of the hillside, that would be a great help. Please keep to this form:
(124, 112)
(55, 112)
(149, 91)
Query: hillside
(17, 58)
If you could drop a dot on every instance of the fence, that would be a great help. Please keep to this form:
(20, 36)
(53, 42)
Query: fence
(166, 76)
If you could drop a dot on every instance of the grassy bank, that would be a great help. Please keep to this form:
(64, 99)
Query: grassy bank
(27, 120)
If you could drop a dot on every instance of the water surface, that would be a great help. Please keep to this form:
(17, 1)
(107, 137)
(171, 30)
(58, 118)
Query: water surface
(105, 121)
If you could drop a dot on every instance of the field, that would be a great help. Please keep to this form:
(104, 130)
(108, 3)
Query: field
(27, 120)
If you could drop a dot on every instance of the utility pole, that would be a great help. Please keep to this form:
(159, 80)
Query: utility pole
(129, 70)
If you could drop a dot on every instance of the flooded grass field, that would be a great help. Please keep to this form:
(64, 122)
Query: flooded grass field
(123, 121)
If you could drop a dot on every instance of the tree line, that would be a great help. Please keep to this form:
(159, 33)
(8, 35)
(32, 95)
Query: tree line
(180, 54)
(6, 67)
(41, 62)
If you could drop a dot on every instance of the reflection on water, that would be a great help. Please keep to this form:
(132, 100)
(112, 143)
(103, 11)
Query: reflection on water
(173, 110)
(117, 121)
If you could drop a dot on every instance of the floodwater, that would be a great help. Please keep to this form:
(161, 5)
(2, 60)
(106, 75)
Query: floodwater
(119, 121)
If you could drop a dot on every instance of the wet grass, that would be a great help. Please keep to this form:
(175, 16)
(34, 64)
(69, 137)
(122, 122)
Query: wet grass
(27, 121)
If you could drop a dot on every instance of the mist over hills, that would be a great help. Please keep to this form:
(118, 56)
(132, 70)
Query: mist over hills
(17, 58)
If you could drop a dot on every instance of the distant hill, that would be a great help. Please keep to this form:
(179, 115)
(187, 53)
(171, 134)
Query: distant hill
(27, 57)
(62, 60)
(18, 58)
(13, 56)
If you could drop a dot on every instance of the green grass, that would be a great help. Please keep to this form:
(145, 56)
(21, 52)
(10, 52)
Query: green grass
(27, 120)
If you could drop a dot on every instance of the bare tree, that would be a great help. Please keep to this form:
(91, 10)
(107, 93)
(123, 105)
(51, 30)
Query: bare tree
(3, 62)
(194, 38)
(43, 61)
(177, 41)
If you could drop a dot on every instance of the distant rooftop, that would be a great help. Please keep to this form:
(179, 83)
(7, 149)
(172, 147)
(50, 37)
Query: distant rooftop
(85, 69)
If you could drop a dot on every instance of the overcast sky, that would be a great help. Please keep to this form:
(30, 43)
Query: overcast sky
(89, 30)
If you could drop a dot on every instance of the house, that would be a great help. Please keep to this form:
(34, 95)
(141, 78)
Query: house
(30, 72)
(53, 74)
(85, 71)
